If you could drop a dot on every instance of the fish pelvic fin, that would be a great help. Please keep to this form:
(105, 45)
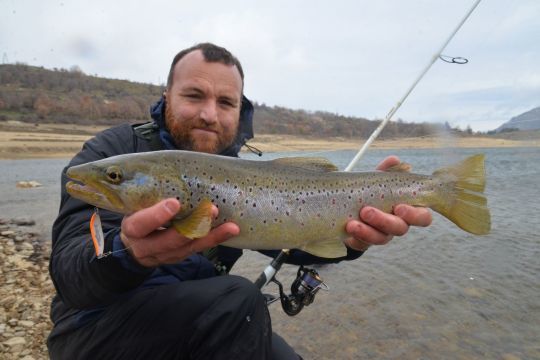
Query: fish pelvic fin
(467, 207)
(331, 248)
(198, 223)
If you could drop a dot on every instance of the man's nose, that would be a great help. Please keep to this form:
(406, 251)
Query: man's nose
(209, 112)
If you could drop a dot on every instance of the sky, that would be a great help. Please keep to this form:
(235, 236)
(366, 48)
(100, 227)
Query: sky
(354, 58)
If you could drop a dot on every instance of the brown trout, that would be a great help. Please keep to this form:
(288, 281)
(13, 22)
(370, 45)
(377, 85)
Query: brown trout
(287, 203)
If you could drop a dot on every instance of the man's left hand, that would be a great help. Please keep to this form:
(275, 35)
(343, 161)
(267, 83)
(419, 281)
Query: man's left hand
(376, 227)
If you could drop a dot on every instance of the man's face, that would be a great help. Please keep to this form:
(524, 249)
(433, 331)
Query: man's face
(203, 104)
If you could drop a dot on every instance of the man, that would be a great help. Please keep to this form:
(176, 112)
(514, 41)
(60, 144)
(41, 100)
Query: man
(157, 296)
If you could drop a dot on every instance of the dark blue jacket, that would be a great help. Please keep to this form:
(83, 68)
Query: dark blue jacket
(86, 285)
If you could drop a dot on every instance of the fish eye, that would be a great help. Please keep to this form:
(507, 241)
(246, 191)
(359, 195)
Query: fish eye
(114, 174)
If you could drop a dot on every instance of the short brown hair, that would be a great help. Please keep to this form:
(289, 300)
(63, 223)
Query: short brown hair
(211, 53)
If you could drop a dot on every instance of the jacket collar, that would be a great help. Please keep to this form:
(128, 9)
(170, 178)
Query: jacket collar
(245, 126)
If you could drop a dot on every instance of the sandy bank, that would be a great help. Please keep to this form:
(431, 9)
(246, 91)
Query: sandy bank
(22, 141)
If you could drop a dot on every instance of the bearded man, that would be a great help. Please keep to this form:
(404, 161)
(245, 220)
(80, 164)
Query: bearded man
(161, 295)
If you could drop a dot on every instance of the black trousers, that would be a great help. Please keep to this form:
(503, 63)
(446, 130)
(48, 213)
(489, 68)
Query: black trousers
(217, 318)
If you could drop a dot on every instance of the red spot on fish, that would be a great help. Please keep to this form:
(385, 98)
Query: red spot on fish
(382, 196)
(333, 201)
(414, 193)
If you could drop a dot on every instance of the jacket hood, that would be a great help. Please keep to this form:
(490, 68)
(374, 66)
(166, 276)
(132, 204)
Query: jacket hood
(245, 126)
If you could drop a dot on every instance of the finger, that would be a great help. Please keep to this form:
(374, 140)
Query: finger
(143, 222)
(388, 162)
(384, 222)
(416, 216)
(215, 237)
(220, 234)
(364, 235)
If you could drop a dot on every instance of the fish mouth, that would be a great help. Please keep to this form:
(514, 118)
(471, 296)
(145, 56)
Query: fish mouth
(93, 192)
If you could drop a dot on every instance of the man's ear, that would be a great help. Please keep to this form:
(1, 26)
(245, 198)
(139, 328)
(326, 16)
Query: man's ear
(165, 94)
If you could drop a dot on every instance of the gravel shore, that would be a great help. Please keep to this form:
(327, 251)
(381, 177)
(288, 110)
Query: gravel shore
(25, 291)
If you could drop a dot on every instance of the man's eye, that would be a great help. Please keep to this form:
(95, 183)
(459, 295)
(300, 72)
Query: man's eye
(226, 103)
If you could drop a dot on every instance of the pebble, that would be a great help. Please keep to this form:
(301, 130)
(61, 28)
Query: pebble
(25, 293)
(16, 340)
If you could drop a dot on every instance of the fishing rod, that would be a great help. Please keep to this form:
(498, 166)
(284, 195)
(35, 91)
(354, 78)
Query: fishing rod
(394, 109)
(308, 282)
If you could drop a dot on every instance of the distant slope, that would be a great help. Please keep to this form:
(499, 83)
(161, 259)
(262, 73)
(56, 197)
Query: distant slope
(35, 94)
(529, 120)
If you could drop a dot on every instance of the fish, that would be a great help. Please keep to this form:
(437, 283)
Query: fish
(287, 203)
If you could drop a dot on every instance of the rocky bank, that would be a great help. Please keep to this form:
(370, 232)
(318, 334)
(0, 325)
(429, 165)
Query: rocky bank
(26, 291)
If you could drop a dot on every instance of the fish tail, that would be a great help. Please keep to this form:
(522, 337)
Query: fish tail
(466, 206)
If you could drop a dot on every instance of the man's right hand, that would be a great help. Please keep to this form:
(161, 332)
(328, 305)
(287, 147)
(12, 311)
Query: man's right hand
(152, 246)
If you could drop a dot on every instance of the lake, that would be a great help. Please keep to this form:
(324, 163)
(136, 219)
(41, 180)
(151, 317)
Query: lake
(434, 293)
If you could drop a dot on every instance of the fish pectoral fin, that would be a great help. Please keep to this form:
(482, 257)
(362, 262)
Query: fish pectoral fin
(309, 163)
(198, 223)
(331, 248)
(401, 167)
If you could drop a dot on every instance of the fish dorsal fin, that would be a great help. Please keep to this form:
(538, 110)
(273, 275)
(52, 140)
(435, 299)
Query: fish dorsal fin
(329, 248)
(198, 223)
(308, 163)
(401, 167)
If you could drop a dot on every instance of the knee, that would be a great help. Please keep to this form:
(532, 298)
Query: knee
(241, 288)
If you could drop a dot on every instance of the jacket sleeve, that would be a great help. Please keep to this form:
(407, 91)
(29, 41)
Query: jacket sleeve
(81, 279)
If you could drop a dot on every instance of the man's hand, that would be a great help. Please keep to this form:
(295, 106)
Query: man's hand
(152, 246)
(378, 228)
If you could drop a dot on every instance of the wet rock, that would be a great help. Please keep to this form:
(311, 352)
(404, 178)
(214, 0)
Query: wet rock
(28, 184)
(23, 222)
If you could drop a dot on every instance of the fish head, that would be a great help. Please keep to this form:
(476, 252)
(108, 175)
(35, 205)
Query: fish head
(124, 183)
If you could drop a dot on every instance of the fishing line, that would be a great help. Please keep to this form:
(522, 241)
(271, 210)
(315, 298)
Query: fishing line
(394, 109)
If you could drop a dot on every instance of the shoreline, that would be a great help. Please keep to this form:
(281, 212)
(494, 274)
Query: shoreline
(30, 142)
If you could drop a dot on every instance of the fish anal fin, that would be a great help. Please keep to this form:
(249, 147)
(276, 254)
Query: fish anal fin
(331, 248)
(198, 223)
(309, 163)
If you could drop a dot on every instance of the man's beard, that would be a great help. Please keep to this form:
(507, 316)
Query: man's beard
(181, 132)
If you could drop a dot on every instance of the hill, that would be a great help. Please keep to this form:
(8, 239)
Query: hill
(529, 120)
(38, 95)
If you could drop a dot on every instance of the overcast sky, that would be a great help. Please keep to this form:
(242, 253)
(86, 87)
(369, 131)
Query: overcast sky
(354, 58)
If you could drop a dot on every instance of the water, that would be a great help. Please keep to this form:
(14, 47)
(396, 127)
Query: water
(434, 293)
